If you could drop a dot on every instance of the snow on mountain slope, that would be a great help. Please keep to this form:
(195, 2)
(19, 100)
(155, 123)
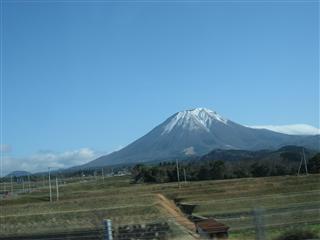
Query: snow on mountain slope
(199, 118)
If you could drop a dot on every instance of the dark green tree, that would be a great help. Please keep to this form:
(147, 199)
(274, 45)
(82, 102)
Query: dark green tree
(204, 173)
(314, 164)
(218, 170)
(259, 170)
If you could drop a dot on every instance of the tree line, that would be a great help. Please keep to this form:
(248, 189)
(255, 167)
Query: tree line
(217, 169)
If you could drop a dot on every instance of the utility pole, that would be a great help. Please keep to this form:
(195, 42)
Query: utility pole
(258, 216)
(178, 174)
(57, 188)
(61, 179)
(50, 190)
(305, 161)
(4, 185)
(23, 190)
(11, 185)
(29, 184)
(44, 181)
(102, 173)
(185, 176)
(300, 166)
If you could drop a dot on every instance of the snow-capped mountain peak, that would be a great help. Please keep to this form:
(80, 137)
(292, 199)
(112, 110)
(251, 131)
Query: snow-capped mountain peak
(197, 132)
(194, 119)
(207, 114)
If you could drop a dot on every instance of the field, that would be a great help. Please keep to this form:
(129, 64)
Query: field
(286, 202)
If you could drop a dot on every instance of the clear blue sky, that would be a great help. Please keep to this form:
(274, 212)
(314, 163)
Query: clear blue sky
(99, 75)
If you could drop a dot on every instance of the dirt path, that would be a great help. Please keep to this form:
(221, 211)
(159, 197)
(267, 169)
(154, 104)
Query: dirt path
(177, 215)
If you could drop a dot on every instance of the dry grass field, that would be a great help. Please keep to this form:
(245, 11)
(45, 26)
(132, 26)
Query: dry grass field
(287, 202)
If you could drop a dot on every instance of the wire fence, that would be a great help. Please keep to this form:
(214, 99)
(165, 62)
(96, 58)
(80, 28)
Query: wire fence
(128, 232)
(75, 235)
(151, 231)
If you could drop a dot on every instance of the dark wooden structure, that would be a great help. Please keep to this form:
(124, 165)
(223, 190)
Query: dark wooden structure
(211, 229)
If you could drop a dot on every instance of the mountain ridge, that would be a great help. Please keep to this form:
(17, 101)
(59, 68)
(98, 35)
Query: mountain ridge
(197, 132)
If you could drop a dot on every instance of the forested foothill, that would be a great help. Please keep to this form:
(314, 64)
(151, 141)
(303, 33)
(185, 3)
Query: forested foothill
(228, 164)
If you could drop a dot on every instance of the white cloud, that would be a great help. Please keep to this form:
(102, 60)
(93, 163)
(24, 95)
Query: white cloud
(294, 129)
(41, 160)
(189, 151)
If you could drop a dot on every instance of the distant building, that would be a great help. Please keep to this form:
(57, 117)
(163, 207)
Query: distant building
(211, 229)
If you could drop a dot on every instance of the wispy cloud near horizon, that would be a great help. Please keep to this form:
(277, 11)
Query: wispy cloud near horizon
(41, 160)
(293, 129)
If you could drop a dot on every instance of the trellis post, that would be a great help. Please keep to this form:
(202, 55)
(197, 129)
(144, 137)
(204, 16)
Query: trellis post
(107, 223)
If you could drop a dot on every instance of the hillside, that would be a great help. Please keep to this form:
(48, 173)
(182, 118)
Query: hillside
(18, 174)
(292, 153)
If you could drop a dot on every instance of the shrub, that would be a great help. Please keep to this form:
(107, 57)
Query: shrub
(297, 235)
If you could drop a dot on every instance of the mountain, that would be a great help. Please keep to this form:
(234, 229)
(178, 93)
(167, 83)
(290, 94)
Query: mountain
(18, 174)
(196, 132)
(291, 153)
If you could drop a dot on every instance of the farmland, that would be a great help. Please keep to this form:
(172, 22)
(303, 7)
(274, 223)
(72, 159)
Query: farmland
(287, 202)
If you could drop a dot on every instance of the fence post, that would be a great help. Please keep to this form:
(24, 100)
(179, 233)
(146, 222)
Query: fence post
(259, 223)
(107, 223)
